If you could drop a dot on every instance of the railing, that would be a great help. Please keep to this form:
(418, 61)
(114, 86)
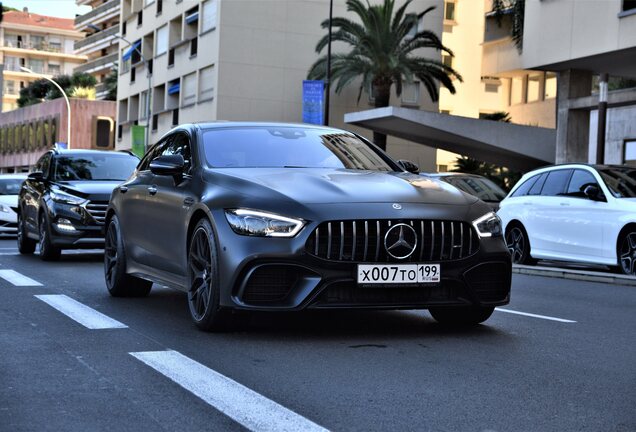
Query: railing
(97, 11)
(42, 46)
(99, 36)
(102, 61)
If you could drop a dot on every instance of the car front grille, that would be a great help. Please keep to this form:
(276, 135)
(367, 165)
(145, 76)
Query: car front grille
(363, 240)
(97, 210)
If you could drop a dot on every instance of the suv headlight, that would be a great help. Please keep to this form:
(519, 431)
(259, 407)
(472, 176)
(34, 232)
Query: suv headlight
(262, 224)
(489, 225)
(66, 198)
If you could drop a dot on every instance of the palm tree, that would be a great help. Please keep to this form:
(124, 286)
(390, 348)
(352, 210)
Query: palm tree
(383, 53)
(516, 10)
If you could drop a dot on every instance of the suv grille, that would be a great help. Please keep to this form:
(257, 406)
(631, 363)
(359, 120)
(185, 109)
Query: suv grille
(363, 240)
(97, 209)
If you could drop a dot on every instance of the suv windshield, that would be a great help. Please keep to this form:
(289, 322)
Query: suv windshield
(620, 181)
(10, 186)
(116, 166)
(289, 147)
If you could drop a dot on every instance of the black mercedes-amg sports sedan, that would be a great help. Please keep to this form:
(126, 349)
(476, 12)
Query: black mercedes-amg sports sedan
(281, 217)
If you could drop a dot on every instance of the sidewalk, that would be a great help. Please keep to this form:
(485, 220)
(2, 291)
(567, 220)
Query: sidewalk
(567, 273)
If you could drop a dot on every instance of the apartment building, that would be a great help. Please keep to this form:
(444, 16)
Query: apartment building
(100, 44)
(41, 43)
(238, 60)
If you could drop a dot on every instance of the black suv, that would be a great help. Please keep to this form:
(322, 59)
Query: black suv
(62, 203)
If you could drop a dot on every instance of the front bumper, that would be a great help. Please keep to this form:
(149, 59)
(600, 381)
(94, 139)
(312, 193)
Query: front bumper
(8, 223)
(282, 275)
(86, 232)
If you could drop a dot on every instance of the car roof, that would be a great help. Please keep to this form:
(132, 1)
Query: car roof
(237, 124)
(77, 152)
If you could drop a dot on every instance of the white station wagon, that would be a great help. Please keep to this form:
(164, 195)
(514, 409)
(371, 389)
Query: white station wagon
(574, 212)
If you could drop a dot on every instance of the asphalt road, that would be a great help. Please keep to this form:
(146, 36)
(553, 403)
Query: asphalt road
(340, 371)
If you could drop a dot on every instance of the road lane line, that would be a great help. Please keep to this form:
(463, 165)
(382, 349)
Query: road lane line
(18, 279)
(245, 406)
(535, 315)
(86, 316)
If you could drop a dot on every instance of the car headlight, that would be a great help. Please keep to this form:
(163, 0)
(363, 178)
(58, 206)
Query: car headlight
(5, 209)
(262, 224)
(489, 225)
(66, 198)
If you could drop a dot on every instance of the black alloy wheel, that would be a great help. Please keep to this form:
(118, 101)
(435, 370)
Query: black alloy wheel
(118, 282)
(628, 254)
(48, 252)
(203, 276)
(25, 244)
(461, 315)
(518, 245)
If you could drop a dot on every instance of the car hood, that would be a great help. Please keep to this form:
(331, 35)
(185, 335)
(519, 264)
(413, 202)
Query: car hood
(90, 187)
(327, 186)
(9, 200)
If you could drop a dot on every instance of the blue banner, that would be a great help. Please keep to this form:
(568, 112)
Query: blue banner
(313, 102)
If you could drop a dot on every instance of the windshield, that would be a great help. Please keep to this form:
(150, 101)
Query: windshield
(94, 167)
(10, 186)
(620, 181)
(289, 147)
(482, 188)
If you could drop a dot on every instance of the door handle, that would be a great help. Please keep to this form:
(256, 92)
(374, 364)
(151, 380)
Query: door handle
(152, 189)
(123, 189)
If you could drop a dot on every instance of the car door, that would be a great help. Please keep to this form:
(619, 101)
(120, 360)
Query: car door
(530, 208)
(33, 191)
(582, 219)
(133, 210)
(168, 206)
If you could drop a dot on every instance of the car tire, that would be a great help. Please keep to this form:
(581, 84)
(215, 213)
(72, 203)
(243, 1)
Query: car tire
(518, 244)
(461, 315)
(48, 252)
(118, 282)
(26, 245)
(203, 280)
(627, 253)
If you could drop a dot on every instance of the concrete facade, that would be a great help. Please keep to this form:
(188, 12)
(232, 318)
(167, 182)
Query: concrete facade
(100, 47)
(41, 43)
(241, 60)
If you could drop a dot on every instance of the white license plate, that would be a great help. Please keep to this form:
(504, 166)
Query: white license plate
(398, 273)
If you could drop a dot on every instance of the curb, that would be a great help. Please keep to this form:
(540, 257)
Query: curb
(583, 275)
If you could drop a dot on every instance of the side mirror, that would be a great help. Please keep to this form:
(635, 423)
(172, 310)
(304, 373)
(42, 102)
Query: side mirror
(592, 192)
(168, 165)
(409, 166)
(36, 175)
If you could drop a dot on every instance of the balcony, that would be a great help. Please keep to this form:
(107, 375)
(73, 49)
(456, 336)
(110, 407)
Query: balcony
(97, 38)
(97, 64)
(107, 9)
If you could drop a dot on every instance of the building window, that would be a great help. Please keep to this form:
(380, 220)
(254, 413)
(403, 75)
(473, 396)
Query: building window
(159, 7)
(36, 65)
(534, 87)
(53, 69)
(142, 105)
(171, 57)
(161, 40)
(442, 168)
(175, 117)
(11, 63)
(447, 60)
(411, 93)
(125, 64)
(9, 87)
(123, 28)
(140, 18)
(189, 93)
(55, 45)
(37, 42)
(206, 83)
(209, 15)
(550, 85)
(629, 153)
(155, 119)
(491, 88)
(516, 90)
(629, 5)
(449, 10)
(194, 47)
(133, 74)
(11, 40)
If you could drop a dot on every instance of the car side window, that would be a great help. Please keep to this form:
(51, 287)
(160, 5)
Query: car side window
(556, 182)
(180, 145)
(579, 181)
(43, 164)
(525, 186)
(151, 155)
(538, 185)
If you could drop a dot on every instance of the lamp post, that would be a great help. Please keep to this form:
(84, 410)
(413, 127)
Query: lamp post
(68, 104)
(143, 59)
(328, 84)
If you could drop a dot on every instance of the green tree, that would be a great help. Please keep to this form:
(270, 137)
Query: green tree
(41, 89)
(110, 82)
(384, 52)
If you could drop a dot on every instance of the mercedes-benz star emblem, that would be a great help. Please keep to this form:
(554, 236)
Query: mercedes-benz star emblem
(397, 206)
(400, 241)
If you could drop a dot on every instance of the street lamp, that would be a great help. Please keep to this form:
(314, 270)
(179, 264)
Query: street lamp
(143, 59)
(68, 104)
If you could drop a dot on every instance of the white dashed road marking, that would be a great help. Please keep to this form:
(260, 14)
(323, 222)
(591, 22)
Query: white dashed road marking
(17, 279)
(245, 406)
(86, 316)
(535, 315)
